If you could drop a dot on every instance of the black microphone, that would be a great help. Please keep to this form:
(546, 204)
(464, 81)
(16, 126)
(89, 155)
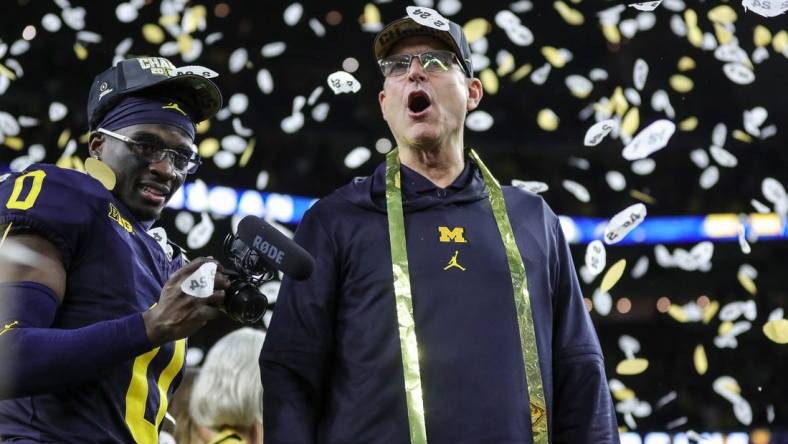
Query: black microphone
(274, 248)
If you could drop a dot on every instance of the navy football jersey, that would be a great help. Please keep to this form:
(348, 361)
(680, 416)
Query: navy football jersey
(114, 269)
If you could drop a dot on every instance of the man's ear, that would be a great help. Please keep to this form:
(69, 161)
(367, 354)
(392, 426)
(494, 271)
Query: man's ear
(96, 144)
(381, 100)
(475, 93)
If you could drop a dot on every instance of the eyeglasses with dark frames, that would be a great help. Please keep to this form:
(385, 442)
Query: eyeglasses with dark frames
(153, 152)
(434, 61)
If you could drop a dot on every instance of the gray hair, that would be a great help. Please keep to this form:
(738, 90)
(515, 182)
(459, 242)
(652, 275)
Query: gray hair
(228, 390)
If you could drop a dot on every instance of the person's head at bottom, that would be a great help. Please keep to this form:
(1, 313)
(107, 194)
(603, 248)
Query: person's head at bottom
(227, 396)
(142, 117)
(428, 86)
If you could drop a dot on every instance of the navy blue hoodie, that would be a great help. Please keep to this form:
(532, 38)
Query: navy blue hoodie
(331, 365)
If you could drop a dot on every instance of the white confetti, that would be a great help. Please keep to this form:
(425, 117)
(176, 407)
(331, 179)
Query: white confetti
(292, 123)
(709, 177)
(238, 103)
(646, 6)
(596, 257)
(578, 85)
(738, 73)
(723, 157)
(598, 131)
(357, 157)
(19, 47)
(264, 81)
(520, 35)
(184, 221)
(36, 152)
(760, 207)
(234, 144)
(51, 22)
(74, 18)
(597, 74)
(628, 27)
(240, 129)
(615, 180)
(649, 140)
(126, 12)
(643, 167)
(200, 283)
(646, 21)
(479, 121)
(449, 7)
(699, 158)
(317, 27)
(532, 186)
(773, 190)
(625, 221)
(743, 244)
(427, 17)
(639, 74)
(602, 302)
(224, 159)
(759, 55)
(719, 134)
(343, 82)
(753, 119)
(201, 233)
(640, 268)
(273, 49)
(661, 102)
(238, 60)
(262, 180)
(765, 8)
(320, 112)
(633, 97)
(293, 14)
(539, 76)
(579, 191)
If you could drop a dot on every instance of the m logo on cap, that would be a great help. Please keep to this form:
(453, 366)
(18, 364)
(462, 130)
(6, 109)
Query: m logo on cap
(157, 65)
(174, 106)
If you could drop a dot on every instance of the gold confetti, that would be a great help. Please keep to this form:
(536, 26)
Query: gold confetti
(709, 311)
(619, 101)
(521, 72)
(101, 172)
(475, 29)
(80, 51)
(547, 120)
(84, 138)
(777, 330)
(153, 34)
(197, 14)
(631, 122)
(612, 275)
(611, 34)
(689, 124)
(722, 14)
(15, 143)
(780, 42)
(623, 394)
(185, 42)
(506, 66)
(62, 140)
(203, 126)
(171, 19)
(571, 16)
(641, 196)
(64, 162)
(77, 164)
(553, 56)
(677, 312)
(761, 36)
(7, 72)
(247, 153)
(686, 64)
(695, 36)
(208, 147)
(741, 136)
(633, 366)
(724, 35)
(489, 81)
(371, 15)
(701, 362)
(690, 18)
(731, 386)
(724, 328)
(747, 283)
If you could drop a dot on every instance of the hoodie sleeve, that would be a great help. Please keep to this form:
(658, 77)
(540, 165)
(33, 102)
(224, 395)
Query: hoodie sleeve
(294, 359)
(583, 409)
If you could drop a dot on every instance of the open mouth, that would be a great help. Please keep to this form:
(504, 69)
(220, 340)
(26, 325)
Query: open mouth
(418, 102)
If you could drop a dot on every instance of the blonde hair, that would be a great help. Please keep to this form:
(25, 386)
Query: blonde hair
(228, 391)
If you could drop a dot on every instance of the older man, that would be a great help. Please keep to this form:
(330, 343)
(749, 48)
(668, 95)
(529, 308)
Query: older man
(443, 308)
(91, 297)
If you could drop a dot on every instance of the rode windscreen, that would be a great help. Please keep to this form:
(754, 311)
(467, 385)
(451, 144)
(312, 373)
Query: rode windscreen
(274, 248)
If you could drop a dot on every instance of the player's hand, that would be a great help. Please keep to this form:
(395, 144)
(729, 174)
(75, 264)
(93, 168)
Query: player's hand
(177, 314)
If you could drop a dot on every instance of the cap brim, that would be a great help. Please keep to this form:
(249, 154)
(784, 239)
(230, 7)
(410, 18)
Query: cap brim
(198, 93)
(407, 27)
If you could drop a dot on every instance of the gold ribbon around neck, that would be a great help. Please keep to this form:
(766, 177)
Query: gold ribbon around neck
(404, 303)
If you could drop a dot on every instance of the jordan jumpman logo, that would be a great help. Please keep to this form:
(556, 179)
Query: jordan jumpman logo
(453, 262)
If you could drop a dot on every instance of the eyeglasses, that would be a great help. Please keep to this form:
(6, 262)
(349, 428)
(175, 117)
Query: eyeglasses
(184, 163)
(431, 61)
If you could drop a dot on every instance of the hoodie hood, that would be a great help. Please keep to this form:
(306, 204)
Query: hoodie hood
(418, 192)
